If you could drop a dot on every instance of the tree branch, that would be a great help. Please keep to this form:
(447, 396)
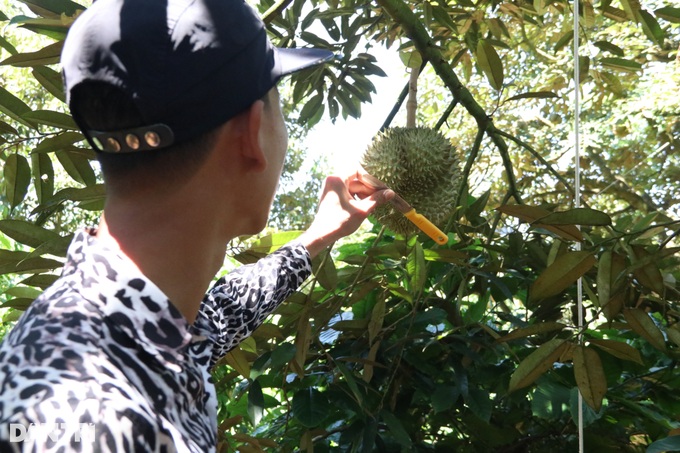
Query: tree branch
(428, 50)
(275, 11)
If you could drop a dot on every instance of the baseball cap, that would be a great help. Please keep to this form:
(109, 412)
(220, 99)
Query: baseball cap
(187, 65)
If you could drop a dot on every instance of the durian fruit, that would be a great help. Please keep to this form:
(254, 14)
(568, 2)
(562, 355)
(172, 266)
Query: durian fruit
(422, 166)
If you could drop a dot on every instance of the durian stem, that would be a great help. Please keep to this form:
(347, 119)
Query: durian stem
(400, 100)
(412, 103)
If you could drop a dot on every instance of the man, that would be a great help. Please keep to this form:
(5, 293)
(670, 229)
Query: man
(179, 98)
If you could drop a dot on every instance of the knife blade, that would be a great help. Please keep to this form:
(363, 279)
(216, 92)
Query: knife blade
(401, 205)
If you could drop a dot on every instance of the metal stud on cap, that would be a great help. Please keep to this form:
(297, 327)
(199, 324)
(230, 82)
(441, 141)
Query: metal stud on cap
(152, 139)
(112, 144)
(132, 141)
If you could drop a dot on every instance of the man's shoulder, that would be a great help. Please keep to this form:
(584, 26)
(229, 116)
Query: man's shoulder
(61, 319)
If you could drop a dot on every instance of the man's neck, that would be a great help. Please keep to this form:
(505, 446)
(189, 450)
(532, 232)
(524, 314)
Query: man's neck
(174, 244)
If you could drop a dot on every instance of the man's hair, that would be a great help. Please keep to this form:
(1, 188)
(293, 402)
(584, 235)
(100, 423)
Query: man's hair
(104, 107)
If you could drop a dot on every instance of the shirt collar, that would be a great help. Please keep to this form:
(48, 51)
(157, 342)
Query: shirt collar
(134, 303)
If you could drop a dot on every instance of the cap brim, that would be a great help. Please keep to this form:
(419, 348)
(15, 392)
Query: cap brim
(293, 60)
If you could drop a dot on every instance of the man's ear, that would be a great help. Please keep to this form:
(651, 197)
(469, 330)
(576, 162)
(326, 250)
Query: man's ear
(251, 148)
(241, 137)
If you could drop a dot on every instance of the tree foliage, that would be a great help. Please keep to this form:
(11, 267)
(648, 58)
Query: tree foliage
(397, 344)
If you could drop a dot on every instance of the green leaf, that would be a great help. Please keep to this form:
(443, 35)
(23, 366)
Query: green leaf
(445, 256)
(57, 33)
(651, 28)
(415, 266)
(610, 283)
(396, 428)
(648, 274)
(351, 382)
(43, 176)
(349, 105)
(50, 80)
(311, 108)
(589, 415)
(23, 291)
(549, 399)
(8, 46)
(642, 324)
(442, 16)
(673, 335)
(42, 281)
(537, 363)
(444, 397)
(532, 214)
(282, 355)
(621, 64)
(7, 129)
(631, 7)
(51, 118)
(77, 166)
(480, 403)
(534, 95)
(19, 263)
(58, 142)
(670, 443)
(255, 402)
(590, 376)
(584, 68)
(324, 269)
(26, 232)
(14, 107)
(618, 349)
(565, 39)
(19, 303)
(265, 245)
(310, 407)
(84, 195)
(376, 322)
(17, 176)
(56, 7)
(561, 274)
(535, 329)
(612, 82)
(609, 47)
(56, 247)
(411, 59)
(476, 310)
(46, 56)
(490, 63)
(238, 361)
(577, 216)
(669, 13)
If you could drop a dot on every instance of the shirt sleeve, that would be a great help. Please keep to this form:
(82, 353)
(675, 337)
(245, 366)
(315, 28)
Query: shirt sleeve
(239, 302)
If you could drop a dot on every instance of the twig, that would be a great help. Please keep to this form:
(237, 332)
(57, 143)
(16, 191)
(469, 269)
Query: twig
(275, 11)
(445, 115)
(540, 158)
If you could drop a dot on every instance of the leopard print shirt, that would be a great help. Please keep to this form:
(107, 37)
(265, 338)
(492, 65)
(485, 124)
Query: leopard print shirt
(102, 361)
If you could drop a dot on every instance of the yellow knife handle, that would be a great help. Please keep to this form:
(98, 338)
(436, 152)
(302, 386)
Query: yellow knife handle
(427, 227)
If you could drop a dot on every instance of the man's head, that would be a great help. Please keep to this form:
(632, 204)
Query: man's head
(157, 77)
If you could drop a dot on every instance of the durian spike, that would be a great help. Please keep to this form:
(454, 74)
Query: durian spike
(409, 212)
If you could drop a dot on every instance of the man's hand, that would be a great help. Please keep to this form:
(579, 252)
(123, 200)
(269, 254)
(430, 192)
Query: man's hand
(344, 205)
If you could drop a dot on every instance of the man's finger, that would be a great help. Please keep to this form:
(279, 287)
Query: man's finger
(375, 199)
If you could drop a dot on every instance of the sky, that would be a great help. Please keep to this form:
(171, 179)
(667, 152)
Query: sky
(344, 142)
